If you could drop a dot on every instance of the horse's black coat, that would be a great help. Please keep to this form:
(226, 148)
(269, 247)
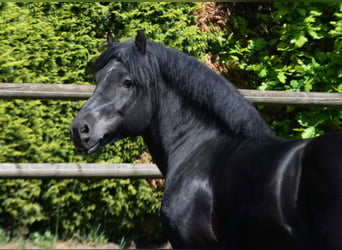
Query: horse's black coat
(230, 183)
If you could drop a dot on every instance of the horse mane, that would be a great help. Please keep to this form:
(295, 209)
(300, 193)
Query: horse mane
(194, 81)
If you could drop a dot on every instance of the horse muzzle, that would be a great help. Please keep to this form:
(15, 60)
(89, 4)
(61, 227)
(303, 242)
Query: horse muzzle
(89, 133)
(83, 138)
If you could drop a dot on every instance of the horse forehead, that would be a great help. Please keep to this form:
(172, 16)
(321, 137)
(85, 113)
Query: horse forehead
(112, 65)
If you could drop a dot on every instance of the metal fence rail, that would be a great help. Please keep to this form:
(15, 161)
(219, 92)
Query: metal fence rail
(82, 92)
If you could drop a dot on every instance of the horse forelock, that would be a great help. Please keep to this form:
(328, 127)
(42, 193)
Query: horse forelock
(141, 70)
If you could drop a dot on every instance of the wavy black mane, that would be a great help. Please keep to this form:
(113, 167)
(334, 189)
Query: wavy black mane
(193, 80)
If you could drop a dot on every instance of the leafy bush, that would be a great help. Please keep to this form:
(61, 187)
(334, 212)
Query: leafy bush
(286, 46)
(169, 23)
(4, 238)
(45, 241)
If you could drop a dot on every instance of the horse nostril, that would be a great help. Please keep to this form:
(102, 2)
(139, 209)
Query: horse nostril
(84, 128)
(84, 132)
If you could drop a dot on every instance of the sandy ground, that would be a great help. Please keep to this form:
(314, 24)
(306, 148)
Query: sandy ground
(73, 245)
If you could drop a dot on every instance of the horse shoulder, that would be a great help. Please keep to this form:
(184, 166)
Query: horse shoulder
(186, 212)
(188, 200)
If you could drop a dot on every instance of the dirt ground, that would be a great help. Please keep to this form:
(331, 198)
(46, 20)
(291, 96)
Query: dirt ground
(73, 245)
(61, 245)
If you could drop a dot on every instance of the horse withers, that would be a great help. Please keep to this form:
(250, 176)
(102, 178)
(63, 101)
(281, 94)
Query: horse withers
(229, 181)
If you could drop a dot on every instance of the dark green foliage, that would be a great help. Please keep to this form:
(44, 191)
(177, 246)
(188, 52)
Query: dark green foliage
(63, 35)
(291, 46)
(119, 207)
(169, 23)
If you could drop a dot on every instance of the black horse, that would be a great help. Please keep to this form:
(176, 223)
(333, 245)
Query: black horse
(230, 182)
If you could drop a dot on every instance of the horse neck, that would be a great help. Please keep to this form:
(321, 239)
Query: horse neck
(179, 130)
(196, 106)
(196, 82)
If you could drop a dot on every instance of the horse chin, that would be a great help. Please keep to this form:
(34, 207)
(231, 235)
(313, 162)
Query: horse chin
(88, 151)
(100, 144)
(93, 148)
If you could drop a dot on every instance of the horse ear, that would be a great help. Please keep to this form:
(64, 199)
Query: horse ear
(110, 38)
(140, 41)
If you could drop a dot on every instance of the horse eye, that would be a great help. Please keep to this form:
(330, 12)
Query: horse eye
(128, 83)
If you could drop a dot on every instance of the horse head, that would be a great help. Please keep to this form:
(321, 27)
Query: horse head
(120, 105)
